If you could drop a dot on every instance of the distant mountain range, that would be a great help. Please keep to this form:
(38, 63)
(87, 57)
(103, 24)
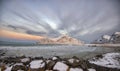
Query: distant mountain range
(64, 39)
(114, 38)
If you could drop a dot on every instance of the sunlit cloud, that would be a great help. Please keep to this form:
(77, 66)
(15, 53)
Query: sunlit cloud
(15, 35)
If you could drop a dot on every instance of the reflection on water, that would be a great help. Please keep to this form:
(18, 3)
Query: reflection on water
(49, 51)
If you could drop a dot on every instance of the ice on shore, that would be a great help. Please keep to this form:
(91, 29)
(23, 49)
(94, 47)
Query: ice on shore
(111, 60)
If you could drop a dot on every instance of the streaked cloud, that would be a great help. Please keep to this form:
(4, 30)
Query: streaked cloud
(78, 18)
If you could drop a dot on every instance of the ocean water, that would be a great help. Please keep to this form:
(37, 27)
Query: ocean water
(47, 51)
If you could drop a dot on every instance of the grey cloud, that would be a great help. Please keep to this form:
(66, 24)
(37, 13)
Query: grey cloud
(79, 18)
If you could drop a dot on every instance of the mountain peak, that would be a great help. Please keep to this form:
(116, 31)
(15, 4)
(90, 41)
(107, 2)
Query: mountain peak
(63, 39)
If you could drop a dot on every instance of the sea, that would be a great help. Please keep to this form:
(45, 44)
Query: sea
(63, 51)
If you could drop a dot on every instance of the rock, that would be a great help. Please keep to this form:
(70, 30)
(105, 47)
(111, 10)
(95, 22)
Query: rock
(76, 69)
(37, 65)
(50, 64)
(60, 66)
(19, 66)
(2, 67)
(74, 62)
(84, 64)
(25, 61)
(7, 60)
(38, 58)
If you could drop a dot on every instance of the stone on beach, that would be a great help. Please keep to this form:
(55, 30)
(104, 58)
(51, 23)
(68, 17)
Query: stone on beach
(37, 65)
(25, 61)
(60, 66)
(19, 66)
(50, 64)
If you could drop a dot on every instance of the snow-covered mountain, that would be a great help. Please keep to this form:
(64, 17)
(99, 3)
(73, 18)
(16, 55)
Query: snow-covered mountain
(114, 38)
(64, 39)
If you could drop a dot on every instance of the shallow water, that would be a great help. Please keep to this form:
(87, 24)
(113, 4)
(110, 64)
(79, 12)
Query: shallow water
(62, 51)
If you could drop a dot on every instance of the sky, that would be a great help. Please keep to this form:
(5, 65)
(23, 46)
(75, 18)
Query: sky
(85, 20)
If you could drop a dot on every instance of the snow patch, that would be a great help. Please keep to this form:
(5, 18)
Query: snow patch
(37, 64)
(60, 66)
(90, 69)
(111, 60)
(21, 64)
(8, 68)
(25, 60)
(76, 69)
(54, 58)
(71, 60)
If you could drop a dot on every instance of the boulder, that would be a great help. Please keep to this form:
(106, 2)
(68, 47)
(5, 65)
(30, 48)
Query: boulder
(37, 65)
(50, 64)
(2, 67)
(74, 62)
(18, 66)
(25, 61)
(60, 66)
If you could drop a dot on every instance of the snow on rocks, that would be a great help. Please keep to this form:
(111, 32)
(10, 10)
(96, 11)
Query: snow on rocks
(18, 64)
(111, 60)
(73, 62)
(25, 59)
(37, 65)
(91, 69)
(8, 69)
(76, 69)
(60, 66)
(55, 58)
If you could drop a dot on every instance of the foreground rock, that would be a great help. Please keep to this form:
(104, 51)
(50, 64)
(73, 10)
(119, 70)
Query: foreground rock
(106, 62)
(37, 65)
(60, 66)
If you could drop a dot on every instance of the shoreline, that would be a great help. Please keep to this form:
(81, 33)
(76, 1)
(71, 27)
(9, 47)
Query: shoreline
(102, 45)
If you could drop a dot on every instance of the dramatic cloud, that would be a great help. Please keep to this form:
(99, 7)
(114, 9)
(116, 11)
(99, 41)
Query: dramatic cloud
(83, 19)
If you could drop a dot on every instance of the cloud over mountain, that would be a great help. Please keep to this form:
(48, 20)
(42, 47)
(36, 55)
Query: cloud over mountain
(79, 18)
